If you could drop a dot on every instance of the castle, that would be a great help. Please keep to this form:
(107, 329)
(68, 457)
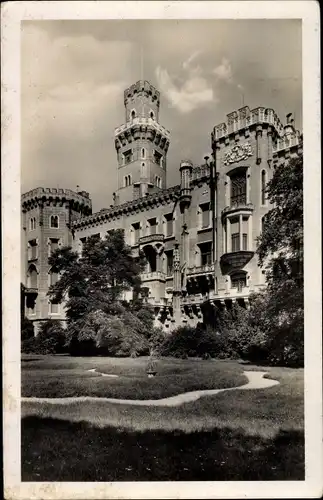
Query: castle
(199, 237)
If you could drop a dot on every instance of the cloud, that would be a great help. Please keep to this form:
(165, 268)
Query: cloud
(224, 71)
(191, 92)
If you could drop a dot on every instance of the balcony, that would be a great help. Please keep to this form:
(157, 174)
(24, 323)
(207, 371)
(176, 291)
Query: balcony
(237, 208)
(153, 276)
(151, 238)
(200, 270)
(235, 260)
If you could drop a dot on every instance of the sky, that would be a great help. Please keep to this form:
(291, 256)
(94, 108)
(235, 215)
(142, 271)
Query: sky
(73, 74)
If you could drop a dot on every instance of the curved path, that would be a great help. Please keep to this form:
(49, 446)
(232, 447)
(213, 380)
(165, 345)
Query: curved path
(256, 380)
(94, 370)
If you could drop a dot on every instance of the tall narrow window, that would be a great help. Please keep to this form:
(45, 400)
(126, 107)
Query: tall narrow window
(263, 187)
(143, 153)
(54, 221)
(169, 262)
(169, 224)
(238, 188)
(133, 114)
(32, 224)
(235, 242)
(53, 245)
(53, 277)
(152, 115)
(205, 211)
(143, 170)
(206, 253)
(136, 232)
(152, 225)
(32, 250)
(32, 277)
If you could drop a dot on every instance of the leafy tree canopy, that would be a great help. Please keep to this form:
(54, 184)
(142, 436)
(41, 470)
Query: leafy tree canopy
(96, 279)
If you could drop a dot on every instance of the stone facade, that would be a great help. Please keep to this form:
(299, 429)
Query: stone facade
(199, 237)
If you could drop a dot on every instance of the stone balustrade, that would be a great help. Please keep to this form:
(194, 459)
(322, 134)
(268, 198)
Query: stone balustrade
(206, 269)
(153, 276)
(151, 238)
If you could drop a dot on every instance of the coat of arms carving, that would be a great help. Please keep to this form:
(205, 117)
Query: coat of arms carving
(238, 153)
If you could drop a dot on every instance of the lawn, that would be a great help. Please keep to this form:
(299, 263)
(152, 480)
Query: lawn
(237, 435)
(63, 376)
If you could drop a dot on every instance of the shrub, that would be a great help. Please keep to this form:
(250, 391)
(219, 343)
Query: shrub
(109, 335)
(27, 329)
(51, 339)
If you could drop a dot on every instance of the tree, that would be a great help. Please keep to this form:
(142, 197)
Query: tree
(280, 251)
(97, 279)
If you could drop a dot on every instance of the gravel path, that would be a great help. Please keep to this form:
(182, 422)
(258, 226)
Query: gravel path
(256, 380)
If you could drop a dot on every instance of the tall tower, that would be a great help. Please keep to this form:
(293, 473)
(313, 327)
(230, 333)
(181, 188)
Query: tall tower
(141, 144)
(47, 218)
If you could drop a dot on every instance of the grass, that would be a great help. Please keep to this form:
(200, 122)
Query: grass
(237, 435)
(62, 376)
(54, 450)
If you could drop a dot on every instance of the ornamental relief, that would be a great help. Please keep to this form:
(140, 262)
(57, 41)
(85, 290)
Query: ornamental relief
(238, 153)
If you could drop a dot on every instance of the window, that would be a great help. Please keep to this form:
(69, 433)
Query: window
(32, 277)
(244, 241)
(136, 232)
(238, 188)
(32, 224)
(206, 253)
(152, 225)
(127, 180)
(238, 281)
(157, 157)
(54, 308)
(133, 114)
(235, 242)
(263, 187)
(143, 153)
(32, 250)
(205, 211)
(53, 245)
(53, 277)
(169, 224)
(169, 262)
(54, 221)
(158, 181)
(127, 156)
(152, 115)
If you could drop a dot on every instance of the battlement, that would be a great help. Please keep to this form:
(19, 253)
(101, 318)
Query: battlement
(163, 196)
(42, 194)
(142, 87)
(144, 122)
(244, 118)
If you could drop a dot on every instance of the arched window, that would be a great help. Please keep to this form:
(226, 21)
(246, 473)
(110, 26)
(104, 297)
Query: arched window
(32, 224)
(133, 114)
(32, 277)
(54, 221)
(263, 187)
(239, 280)
(143, 153)
(125, 181)
(152, 114)
(129, 180)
